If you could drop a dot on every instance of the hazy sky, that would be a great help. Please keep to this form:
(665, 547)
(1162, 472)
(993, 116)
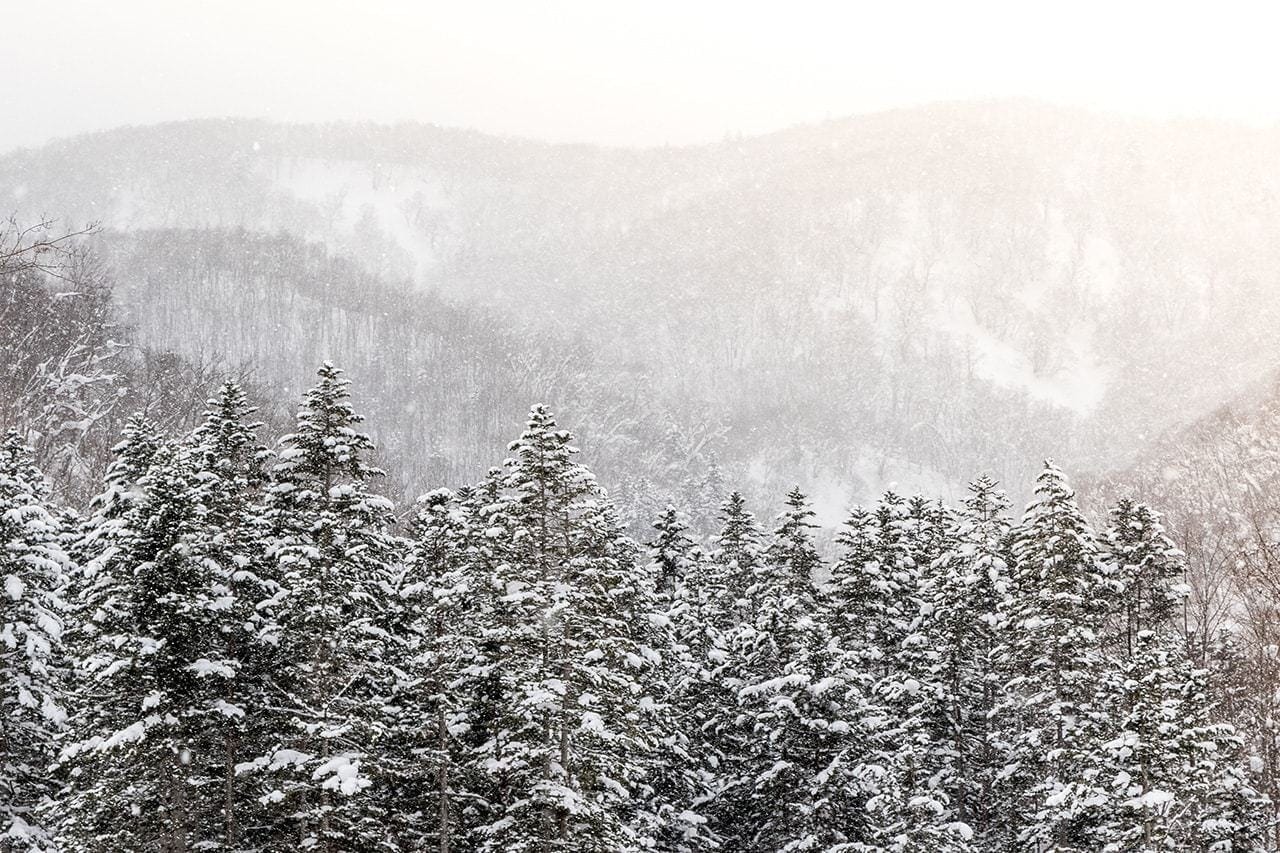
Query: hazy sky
(606, 71)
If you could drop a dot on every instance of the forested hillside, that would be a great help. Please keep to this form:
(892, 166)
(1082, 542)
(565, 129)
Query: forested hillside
(235, 622)
(71, 372)
(893, 299)
(446, 381)
(1218, 480)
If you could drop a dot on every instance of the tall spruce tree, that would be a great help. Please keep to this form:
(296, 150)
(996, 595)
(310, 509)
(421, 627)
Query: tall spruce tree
(1054, 649)
(332, 558)
(33, 568)
(571, 739)
(230, 462)
(167, 631)
(154, 696)
(672, 550)
(433, 634)
(737, 555)
(786, 692)
(1149, 570)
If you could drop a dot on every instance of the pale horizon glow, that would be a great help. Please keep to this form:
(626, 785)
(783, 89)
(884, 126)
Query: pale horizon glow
(619, 74)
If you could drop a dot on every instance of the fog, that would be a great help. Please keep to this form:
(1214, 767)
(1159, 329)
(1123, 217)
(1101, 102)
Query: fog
(623, 74)
(565, 427)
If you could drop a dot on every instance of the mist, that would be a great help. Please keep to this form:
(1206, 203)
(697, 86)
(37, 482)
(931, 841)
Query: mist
(588, 428)
(659, 74)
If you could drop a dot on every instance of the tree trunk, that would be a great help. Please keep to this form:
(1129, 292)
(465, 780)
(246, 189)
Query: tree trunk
(443, 747)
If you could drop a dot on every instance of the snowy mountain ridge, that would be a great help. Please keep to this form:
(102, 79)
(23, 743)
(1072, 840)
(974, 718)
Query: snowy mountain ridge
(867, 289)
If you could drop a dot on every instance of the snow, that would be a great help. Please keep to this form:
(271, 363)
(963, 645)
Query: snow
(402, 204)
(1079, 385)
(342, 774)
(204, 667)
(288, 758)
(1153, 799)
(130, 734)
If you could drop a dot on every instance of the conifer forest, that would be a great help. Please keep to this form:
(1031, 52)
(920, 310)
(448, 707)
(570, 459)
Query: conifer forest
(639, 428)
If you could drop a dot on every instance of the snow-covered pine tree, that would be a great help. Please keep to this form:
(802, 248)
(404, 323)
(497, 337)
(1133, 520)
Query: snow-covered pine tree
(968, 595)
(1054, 649)
(433, 634)
(231, 475)
(1175, 778)
(145, 735)
(1238, 671)
(33, 566)
(790, 721)
(738, 553)
(695, 612)
(925, 529)
(791, 558)
(332, 559)
(672, 549)
(872, 589)
(140, 440)
(877, 601)
(1149, 569)
(569, 737)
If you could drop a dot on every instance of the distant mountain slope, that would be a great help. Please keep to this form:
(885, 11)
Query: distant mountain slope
(1217, 481)
(905, 298)
(440, 383)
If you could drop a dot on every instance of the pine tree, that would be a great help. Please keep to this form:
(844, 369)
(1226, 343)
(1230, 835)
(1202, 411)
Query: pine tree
(331, 558)
(738, 554)
(672, 550)
(1176, 781)
(152, 696)
(112, 652)
(879, 601)
(432, 626)
(166, 633)
(1149, 570)
(968, 596)
(33, 566)
(230, 460)
(1062, 596)
(696, 612)
(569, 742)
(780, 734)
(791, 559)
(872, 585)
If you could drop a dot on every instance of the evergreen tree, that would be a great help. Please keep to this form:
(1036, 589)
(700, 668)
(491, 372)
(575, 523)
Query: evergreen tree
(788, 696)
(671, 551)
(153, 693)
(230, 462)
(791, 559)
(33, 566)
(331, 558)
(1054, 650)
(873, 586)
(738, 555)
(1149, 570)
(165, 639)
(968, 598)
(571, 738)
(431, 625)
(1176, 781)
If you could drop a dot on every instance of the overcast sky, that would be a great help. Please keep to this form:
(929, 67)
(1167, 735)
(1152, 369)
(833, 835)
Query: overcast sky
(635, 73)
